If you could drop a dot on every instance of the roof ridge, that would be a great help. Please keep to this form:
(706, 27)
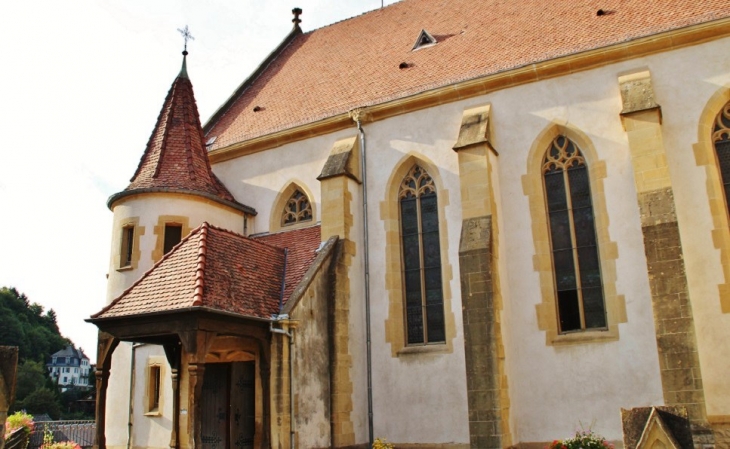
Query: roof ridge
(200, 266)
(355, 16)
(236, 234)
(144, 275)
(282, 231)
(251, 79)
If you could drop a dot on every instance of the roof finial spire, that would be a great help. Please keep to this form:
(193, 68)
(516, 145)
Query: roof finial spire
(187, 36)
(296, 20)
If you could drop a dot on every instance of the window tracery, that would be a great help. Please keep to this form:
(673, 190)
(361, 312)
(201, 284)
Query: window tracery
(298, 209)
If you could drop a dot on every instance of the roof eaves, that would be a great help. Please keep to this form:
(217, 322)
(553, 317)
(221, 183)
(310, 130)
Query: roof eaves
(195, 309)
(293, 34)
(141, 278)
(235, 205)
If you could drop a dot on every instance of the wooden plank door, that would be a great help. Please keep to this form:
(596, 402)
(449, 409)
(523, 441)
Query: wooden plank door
(243, 405)
(229, 406)
(214, 406)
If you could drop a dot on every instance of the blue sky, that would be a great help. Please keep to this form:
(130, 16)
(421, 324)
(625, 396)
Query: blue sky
(81, 85)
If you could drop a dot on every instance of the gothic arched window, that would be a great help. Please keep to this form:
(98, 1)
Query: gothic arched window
(421, 258)
(297, 209)
(721, 141)
(576, 267)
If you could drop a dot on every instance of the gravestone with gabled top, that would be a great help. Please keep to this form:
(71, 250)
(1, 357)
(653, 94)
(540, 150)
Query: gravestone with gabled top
(660, 427)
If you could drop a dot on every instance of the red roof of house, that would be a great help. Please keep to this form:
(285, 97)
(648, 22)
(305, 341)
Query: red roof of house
(220, 270)
(176, 158)
(355, 63)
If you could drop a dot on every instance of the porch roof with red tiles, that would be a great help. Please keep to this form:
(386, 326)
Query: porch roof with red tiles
(175, 159)
(355, 63)
(219, 270)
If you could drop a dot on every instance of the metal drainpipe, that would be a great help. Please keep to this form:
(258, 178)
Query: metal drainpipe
(366, 260)
(283, 281)
(131, 395)
(290, 334)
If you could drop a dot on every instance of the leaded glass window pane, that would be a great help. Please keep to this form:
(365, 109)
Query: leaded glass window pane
(421, 258)
(297, 209)
(576, 263)
(721, 139)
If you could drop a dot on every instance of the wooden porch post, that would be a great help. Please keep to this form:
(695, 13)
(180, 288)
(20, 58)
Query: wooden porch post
(196, 345)
(105, 348)
(172, 351)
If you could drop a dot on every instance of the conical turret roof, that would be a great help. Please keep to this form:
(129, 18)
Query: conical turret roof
(176, 158)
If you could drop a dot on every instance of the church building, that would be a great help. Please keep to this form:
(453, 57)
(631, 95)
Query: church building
(449, 224)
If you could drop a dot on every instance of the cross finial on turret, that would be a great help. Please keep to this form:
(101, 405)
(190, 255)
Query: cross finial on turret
(296, 20)
(187, 36)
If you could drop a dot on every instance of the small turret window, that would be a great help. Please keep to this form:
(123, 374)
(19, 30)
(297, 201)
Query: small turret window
(127, 246)
(173, 235)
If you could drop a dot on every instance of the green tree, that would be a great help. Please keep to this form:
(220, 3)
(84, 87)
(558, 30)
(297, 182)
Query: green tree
(35, 332)
(31, 377)
(39, 402)
(27, 326)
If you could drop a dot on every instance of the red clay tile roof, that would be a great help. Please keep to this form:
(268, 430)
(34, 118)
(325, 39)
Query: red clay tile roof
(220, 270)
(176, 158)
(355, 63)
(301, 245)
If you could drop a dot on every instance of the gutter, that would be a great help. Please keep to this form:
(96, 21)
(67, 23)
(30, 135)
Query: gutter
(290, 334)
(366, 262)
(130, 421)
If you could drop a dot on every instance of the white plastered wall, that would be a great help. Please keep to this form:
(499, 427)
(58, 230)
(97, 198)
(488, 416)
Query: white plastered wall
(684, 82)
(553, 389)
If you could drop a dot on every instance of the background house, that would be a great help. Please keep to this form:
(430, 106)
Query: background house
(70, 367)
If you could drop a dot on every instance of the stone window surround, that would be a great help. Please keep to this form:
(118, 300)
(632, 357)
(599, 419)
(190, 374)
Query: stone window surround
(705, 155)
(533, 188)
(395, 330)
(156, 365)
(159, 231)
(282, 198)
(132, 222)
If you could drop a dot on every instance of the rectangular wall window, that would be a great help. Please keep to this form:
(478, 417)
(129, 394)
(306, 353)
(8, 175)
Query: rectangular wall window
(173, 235)
(127, 246)
(153, 389)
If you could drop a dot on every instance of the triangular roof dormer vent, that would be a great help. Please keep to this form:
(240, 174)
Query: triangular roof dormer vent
(424, 40)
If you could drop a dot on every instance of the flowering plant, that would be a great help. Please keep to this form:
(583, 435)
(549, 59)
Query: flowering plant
(62, 445)
(380, 443)
(583, 439)
(18, 420)
(49, 443)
